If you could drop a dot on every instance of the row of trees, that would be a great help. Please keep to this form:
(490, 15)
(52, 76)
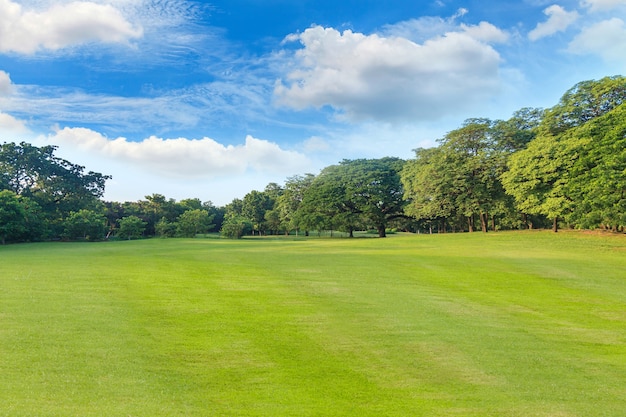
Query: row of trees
(564, 165)
(43, 197)
(353, 195)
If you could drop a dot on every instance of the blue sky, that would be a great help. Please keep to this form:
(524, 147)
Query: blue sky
(211, 100)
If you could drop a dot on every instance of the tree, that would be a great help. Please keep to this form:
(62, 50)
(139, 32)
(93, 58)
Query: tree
(12, 216)
(584, 102)
(235, 227)
(291, 198)
(597, 184)
(85, 224)
(426, 190)
(374, 190)
(192, 222)
(56, 185)
(471, 170)
(164, 228)
(545, 177)
(355, 192)
(255, 205)
(322, 206)
(131, 227)
(516, 133)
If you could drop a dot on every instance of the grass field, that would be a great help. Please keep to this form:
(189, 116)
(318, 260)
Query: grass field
(503, 324)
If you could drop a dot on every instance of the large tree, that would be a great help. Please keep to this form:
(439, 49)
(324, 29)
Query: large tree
(55, 184)
(355, 192)
(85, 224)
(255, 205)
(12, 216)
(575, 143)
(425, 188)
(195, 221)
(289, 201)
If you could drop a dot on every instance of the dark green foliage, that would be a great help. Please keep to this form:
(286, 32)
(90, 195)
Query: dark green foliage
(354, 194)
(50, 188)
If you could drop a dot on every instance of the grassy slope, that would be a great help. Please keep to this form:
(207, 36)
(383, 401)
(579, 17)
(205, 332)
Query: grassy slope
(507, 324)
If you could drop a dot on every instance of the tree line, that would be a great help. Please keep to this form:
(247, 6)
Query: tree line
(562, 166)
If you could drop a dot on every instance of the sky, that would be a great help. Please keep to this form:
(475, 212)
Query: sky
(212, 100)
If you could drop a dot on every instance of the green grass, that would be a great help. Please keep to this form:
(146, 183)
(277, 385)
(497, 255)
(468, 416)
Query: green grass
(504, 324)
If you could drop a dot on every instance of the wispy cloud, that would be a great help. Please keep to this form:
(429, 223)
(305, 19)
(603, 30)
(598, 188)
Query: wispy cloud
(603, 5)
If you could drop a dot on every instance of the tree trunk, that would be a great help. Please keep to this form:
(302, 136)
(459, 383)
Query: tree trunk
(555, 225)
(483, 222)
(470, 223)
(381, 231)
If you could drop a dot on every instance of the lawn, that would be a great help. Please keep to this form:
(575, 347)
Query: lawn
(502, 324)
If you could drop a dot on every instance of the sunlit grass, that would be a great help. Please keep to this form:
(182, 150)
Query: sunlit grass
(504, 324)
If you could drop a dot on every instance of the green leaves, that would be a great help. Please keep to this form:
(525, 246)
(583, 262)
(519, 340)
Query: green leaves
(576, 167)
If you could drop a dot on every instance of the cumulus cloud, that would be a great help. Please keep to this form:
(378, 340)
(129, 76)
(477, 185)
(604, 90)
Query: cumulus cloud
(606, 38)
(61, 25)
(185, 158)
(392, 78)
(558, 21)
(603, 5)
(11, 125)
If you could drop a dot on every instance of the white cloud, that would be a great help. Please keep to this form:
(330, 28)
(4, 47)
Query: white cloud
(392, 78)
(61, 25)
(185, 158)
(602, 5)
(486, 32)
(558, 21)
(6, 87)
(316, 144)
(606, 38)
(10, 125)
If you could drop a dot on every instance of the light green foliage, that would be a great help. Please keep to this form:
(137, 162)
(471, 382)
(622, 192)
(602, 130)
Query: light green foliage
(85, 224)
(424, 186)
(460, 178)
(254, 206)
(192, 222)
(236, 226)
(291, 198)
(574, 169)
(165, 228)
(404, 326)
(131, 227)
(598, 177)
